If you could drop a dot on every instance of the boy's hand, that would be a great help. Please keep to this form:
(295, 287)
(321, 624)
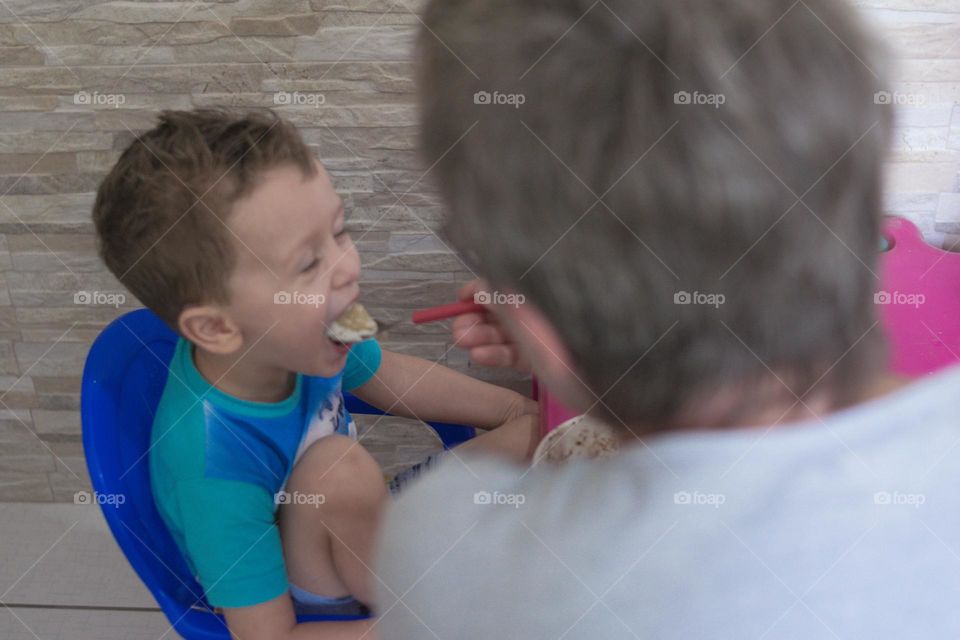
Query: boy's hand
(482, 335)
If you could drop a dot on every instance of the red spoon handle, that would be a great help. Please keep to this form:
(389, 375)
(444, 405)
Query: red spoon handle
(445, 311)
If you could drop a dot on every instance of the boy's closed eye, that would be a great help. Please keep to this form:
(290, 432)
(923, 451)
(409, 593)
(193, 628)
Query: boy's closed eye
(340, 236)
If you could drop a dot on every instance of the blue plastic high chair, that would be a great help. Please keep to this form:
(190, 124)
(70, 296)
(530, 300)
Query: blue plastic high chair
(123, 379)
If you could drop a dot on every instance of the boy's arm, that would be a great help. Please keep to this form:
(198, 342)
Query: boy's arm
(415, 388)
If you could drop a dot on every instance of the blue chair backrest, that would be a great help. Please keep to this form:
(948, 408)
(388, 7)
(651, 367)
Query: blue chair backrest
(123, 379)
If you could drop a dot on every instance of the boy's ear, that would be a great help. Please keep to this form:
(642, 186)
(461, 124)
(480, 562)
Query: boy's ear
(548, 355)
(209, 328)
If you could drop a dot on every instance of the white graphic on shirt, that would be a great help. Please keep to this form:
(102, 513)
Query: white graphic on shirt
(326, 421)
(323, 423)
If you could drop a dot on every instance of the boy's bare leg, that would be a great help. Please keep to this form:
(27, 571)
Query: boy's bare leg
(328, 541)
(515, 439)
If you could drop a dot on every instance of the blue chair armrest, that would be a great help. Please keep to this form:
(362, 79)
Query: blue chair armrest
(450, 434)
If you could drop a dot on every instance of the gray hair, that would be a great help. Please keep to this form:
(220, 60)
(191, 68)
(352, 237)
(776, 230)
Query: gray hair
(606, 159)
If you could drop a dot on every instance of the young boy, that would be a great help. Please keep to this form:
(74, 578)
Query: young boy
(227, 227)
(688, 195)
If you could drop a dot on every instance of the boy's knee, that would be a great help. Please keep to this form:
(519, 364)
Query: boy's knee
(340, 468)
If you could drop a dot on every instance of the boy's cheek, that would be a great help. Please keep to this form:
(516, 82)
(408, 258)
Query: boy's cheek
(306, 356)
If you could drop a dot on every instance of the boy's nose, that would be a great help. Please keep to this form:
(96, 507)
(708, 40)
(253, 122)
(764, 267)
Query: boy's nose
(347, 271)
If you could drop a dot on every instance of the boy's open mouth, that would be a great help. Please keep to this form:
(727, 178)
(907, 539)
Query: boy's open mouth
(353, 325)
(340, 347)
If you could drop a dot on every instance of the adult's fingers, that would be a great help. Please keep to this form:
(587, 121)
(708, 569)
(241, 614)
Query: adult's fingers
(497, 355)
(467, 291)
(468, 335)
(466, 320)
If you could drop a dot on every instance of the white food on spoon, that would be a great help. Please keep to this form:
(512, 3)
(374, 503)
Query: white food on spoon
(353, 325)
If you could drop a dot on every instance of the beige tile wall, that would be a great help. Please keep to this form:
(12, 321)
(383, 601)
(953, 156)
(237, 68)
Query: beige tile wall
(923, 182)
(66, 66)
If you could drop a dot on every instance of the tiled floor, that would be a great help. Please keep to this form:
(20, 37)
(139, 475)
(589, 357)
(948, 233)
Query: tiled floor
(62, 576)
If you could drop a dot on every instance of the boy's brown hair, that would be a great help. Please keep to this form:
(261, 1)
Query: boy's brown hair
(160, 212)
(611, 161)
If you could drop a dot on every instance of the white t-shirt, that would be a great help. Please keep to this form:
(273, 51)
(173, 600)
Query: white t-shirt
(845, 528)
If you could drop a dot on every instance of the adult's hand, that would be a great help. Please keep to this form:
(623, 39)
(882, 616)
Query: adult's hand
(483, 335)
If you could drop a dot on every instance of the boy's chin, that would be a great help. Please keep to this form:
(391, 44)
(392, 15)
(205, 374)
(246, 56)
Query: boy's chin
(328, 365)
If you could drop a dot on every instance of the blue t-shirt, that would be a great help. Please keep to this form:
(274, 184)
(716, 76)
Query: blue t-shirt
(218, 463)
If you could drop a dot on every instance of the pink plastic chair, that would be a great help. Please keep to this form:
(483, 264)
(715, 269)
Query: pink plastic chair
(919, 303)
(925, 335)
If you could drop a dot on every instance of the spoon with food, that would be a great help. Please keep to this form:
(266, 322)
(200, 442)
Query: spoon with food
(353, 325)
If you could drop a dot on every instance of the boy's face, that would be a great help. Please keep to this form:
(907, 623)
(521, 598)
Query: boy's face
(296, 271)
